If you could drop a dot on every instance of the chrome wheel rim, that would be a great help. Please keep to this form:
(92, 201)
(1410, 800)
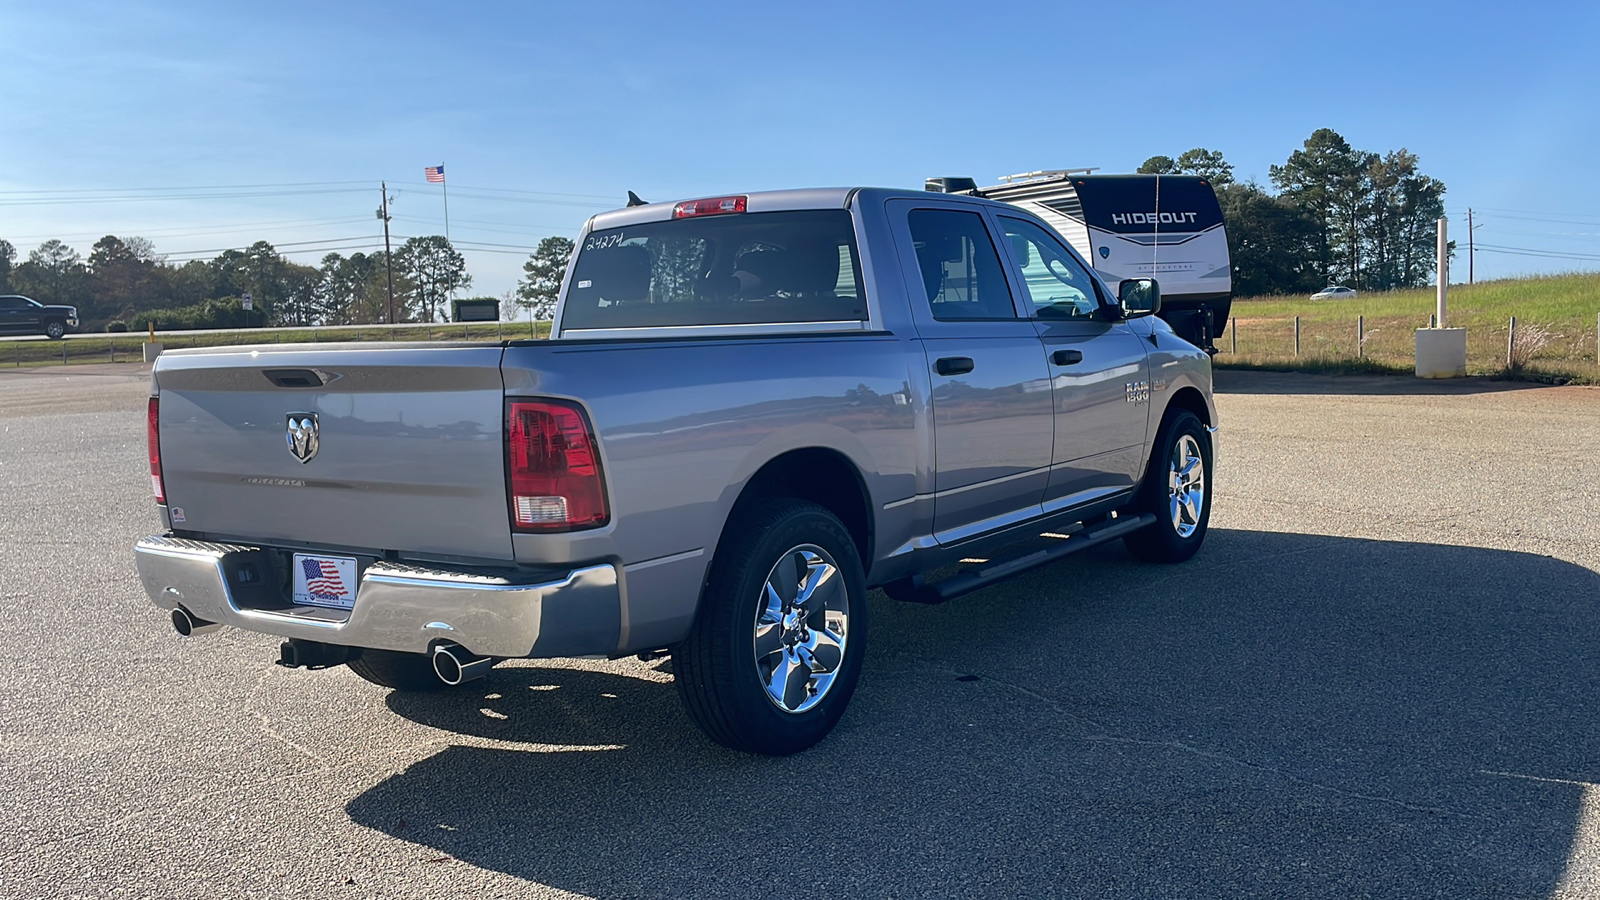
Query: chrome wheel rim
(802, 625)
(1186, 486)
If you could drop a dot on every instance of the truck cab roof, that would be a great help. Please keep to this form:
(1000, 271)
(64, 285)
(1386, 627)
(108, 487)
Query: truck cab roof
(774, 201)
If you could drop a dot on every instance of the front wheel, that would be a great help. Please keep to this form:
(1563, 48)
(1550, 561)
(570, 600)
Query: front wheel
(55, 329)
(775, 651)
(1177, 489)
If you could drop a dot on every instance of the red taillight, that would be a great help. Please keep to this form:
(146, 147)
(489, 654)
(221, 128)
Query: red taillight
(552, 468)
(712, 206)
(155, 451)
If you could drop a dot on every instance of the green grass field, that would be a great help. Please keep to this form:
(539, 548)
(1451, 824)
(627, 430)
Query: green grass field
(1556, 328)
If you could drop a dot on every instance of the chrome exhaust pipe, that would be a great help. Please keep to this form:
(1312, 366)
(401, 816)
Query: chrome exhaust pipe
(455, 665)
(190, 625)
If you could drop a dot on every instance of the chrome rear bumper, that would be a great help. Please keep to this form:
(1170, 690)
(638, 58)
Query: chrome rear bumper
(398, 606)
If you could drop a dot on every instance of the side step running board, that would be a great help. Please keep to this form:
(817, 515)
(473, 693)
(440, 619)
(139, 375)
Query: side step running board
(915, 590)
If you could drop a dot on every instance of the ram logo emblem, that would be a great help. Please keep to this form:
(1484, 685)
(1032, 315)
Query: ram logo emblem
(1138, 391)
(302, 436)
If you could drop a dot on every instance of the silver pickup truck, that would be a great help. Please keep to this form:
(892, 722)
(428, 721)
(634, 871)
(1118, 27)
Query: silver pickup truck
(752, 410)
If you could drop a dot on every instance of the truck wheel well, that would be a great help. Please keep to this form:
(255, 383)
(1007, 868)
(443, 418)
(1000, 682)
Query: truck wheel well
(1190, 399)
(822, 476)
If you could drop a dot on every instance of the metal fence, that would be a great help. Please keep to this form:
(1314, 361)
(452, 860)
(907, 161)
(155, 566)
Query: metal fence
(1516, 344)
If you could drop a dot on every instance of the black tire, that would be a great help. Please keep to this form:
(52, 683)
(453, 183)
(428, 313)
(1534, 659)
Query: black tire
(55, 329)
(1164, 540)
(723, 675)
(410, 672)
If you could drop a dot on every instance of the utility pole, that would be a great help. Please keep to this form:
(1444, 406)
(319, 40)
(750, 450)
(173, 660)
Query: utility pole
(388, 254)
(1471, 253)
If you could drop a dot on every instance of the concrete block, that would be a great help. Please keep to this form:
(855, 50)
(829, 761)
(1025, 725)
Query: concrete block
(151, 351)
(1441, 352)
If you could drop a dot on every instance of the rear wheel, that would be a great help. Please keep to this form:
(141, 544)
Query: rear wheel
(1177, 489)
(55, 329)
(775, 651)
(412, 672)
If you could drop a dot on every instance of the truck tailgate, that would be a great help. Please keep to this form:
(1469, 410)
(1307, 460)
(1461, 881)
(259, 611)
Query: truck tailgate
(409, 450)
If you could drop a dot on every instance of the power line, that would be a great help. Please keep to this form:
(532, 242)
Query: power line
(1545, 254)
(1528, 212)
(185, 232)
(574, 203)
(545, 230)
(231, 195)
(339, 240)
(1556, 218)
(523, 252)
(304, 247)
(294, 184)
(500, 190)
(482, 246)
(1548, 233)
(203, 187)
(374, 245)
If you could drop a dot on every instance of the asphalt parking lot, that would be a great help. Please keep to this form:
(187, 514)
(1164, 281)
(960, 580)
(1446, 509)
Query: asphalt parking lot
(1377, 679)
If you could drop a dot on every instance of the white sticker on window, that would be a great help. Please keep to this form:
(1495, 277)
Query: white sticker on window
(585, 283)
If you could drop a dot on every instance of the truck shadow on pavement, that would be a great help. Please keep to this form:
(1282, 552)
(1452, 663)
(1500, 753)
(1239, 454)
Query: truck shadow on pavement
(1287, 714)
(1251, 381)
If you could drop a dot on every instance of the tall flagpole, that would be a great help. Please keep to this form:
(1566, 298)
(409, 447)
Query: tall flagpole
(444, 182)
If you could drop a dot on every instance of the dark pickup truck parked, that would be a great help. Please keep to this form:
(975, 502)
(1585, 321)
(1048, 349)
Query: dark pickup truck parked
(753, 409)
(20, 315)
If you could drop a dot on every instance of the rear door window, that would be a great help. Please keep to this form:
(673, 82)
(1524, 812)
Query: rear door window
(961, 271)
(736, 269)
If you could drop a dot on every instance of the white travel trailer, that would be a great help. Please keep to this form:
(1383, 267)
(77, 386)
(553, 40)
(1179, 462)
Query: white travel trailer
(1166, 227)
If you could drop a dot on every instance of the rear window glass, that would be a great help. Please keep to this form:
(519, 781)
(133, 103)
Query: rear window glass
(737, 269)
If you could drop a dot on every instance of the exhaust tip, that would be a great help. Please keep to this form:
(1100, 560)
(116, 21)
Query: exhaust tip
(455, 665)
(190, 625)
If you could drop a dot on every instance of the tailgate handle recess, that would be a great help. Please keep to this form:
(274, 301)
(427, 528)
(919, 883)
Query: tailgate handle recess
(294, 378)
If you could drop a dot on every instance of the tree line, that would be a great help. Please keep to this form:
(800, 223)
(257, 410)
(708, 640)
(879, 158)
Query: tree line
(124, 282)
(1340, 215)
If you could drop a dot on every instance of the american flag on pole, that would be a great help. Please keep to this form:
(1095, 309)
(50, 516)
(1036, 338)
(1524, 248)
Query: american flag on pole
(322, 577)
(434, 174)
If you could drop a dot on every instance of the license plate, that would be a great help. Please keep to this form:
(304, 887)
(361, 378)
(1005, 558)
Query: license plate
(324, 581)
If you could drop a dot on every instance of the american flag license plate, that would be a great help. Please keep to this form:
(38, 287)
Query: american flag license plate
(324, 581)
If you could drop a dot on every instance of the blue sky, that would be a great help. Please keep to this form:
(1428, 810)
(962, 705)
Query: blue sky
(574, 104)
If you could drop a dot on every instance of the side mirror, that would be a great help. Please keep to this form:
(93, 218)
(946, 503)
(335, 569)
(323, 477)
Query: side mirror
(1139, 297)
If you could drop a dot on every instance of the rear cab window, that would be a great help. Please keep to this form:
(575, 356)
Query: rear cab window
(795, 266)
